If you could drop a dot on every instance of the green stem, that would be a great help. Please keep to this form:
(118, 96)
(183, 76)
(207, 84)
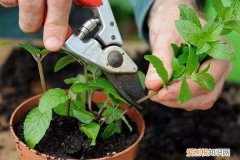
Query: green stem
(147, 97)
(86, 81)
(68, 108)
(41, 74)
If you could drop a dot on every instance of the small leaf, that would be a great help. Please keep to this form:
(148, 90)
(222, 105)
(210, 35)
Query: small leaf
(192, 63)
(189, 31)
(178, 69)
(52, 98)
(96, 72)
(176, 49)
(111, 129)
(158, 65)
(187, 13)
(185, 94)
(113, 114)
(83, 116)
(212, 30)
(33, 50)
(142, 78)
(219, 8)
(183, 57)
(126, 122)
(36, 125)
(220, 51)
(81, 87)
(63, 62)
(62, 109)
(203, 48)
(107, 87)
(91, 131)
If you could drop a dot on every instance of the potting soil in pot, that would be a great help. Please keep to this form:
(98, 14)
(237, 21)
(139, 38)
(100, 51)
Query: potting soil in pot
(64, 139)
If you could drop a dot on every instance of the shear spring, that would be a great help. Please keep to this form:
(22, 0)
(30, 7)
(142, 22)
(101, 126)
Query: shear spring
(88, 27)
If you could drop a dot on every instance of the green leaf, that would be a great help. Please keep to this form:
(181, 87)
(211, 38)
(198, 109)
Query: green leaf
(113, 114)
(187, 13)
(63, 62)
(204, 79)
(220, 51)
(81, 87)
(33, 50)
(52, 98)
(62, 109)
(111, 129)
(219, 8)
(44, 52)
(96, 72)
(176, 49)
(127, 123)
(158, 65)
(107, 87)
(203, 48)
(189, 31)
(178, 69)
(83, 116)
(183, 57)
(192, 63)
(185, 93)
(212, 30)
(91, 131)
(142, 78)
(35, 126)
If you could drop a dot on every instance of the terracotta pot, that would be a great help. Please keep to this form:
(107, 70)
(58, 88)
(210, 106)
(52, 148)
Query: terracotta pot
(30, 154)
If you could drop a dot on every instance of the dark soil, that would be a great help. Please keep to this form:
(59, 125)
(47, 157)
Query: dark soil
(64, 139)
(168, 131)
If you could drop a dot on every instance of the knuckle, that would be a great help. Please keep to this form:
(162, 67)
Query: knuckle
(28, 27)
(8, 3)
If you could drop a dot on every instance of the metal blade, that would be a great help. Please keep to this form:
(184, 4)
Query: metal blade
(128, 85)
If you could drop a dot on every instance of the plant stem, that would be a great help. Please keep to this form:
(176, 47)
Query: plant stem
(147, 97)
(90, 101)
(100, 113)
(86, 81)
(41, 74)
(68, 108)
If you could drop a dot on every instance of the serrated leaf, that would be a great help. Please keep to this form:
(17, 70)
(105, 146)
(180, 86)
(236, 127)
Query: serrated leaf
(63, 62)
(52, 98)
(205, 80)
(203, 48)
(108, 88)
(81, 87)
(113, 114)
(158, 65)
(189, 31)
(192, 63)
(62, 109)
(184, 94)
(96, 72)
(219, 8)
(142, 78)
(33, 50)
(183, 57)
(83, 116)
(91, 131)
(220, 50)
(35, 126)
(187, 13)
(178, 69)
(212, 30)
(111, 129)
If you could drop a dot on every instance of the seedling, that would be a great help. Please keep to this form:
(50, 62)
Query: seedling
(102, 120)
(202, 42)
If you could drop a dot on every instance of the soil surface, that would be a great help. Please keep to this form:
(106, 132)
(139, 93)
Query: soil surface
(64, 139)
(169, 132)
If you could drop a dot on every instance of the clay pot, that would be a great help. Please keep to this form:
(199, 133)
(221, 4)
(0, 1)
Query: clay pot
(30, 154)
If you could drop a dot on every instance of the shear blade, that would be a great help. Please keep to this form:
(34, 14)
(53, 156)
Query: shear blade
(128, 85)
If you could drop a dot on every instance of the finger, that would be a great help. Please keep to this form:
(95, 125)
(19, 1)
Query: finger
(8, 3)
(218, 69)
(56, 24)
(31, 14)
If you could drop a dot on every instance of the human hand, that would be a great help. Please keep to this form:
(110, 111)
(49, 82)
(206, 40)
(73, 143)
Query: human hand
(32, 16)
(163, 33)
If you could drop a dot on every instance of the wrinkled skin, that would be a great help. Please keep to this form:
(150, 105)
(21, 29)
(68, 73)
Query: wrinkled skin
(162, 34)
(161, 24)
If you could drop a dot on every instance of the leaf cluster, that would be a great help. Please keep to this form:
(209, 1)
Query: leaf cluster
(202, 42)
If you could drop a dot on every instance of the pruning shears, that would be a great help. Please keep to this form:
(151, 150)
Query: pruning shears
(104, 50)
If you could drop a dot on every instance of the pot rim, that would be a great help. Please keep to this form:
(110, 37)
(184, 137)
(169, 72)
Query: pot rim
(17, 140)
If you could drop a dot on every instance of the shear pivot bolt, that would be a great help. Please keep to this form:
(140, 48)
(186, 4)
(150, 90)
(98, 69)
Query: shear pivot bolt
(115, 59)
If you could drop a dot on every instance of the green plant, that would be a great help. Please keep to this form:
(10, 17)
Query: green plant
(102, 120)
(202, 42)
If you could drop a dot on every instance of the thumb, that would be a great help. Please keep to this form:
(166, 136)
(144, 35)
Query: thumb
(165, 54)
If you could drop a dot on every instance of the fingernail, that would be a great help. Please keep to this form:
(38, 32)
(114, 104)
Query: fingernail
(153, 77)
(169, 97)
(52, 43)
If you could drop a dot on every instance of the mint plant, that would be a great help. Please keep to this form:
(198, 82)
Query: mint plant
(202, 42)
(95, 120)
